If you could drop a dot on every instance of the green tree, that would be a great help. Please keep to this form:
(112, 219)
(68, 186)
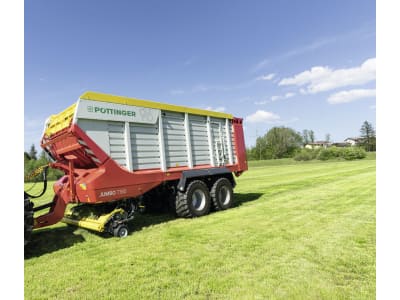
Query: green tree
(261, 147)
(32, 152)
(306, 138)
(283, 142)
(368, 136)
(31, 164)
(249, 153)
(327, 137)
(311, 136)
(26, 156)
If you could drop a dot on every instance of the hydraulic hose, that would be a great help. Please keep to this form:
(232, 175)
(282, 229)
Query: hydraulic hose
(44, 172)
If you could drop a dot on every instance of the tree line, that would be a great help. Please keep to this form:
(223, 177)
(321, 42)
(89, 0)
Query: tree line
(284, 142)
(32, 161)
(278, 142)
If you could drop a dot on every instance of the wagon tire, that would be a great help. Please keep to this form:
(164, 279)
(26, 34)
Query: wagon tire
(222, 194)
(121, 231)
(195, 201)
(28, 219)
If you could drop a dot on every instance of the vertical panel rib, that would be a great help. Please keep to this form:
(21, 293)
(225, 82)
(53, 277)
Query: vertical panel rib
(210, 142)
(229, 140)
(161, 141)
(128, 151)
(188, 143)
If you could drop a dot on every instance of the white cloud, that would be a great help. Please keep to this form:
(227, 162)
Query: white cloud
(351, 95)
(219, 109)
(262, 116)
(357, 34)
(295, 52)
(177, 92)
(201, 88)
(286, 96)
(320, 79)
(289, 95)
(316, 74)
(266, 77)
(275, 98)
(261, 102)
(303, 92)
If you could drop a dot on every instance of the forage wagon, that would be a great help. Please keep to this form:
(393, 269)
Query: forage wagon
(122, 154)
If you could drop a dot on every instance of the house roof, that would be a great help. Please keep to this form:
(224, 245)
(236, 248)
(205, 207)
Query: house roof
(319, 143)
(354, 139)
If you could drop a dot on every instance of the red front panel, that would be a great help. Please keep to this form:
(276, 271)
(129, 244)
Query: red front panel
(240, 145)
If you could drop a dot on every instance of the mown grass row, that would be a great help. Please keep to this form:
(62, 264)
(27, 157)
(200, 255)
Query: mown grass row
(302, 231)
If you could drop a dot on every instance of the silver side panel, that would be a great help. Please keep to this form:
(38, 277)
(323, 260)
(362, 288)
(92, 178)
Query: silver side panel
(145, 149)
(174, 139)
(98, 131)
(116, 137)
(169, 140)
(199, 140)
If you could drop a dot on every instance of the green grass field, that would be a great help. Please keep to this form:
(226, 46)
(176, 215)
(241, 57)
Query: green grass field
(297, 231)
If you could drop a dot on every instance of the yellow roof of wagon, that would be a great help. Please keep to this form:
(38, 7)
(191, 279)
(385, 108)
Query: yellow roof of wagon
(95, 96)
(63, 119)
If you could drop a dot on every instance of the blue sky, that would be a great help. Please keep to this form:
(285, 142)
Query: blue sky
(300, 64)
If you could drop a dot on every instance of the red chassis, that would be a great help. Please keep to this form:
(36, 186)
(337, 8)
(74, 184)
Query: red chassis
(93, 177)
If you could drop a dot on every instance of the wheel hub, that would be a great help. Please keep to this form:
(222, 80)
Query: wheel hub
(198, 200)
(224, 195)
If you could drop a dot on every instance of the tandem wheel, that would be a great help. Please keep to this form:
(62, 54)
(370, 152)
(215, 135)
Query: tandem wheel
(121, 231)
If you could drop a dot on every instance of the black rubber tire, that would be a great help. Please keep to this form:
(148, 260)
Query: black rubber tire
(121, 231)
(28, 219)
(222, 194)
(195, 202)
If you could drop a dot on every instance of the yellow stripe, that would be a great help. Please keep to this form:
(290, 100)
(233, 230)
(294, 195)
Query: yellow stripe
(60, 121)
(151, 104)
